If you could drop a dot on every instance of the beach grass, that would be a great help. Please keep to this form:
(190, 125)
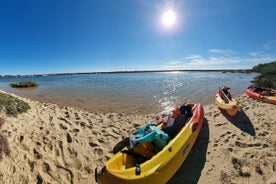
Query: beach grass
(23, 84)
(12, 105)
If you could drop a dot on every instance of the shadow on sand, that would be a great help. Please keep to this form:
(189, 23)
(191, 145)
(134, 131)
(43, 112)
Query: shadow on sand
(241, 121)
(4, 145)
(190, 171)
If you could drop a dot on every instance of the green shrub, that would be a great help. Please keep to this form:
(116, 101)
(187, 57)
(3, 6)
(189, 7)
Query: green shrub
(12, 105)
(267, 77)
(23, 84)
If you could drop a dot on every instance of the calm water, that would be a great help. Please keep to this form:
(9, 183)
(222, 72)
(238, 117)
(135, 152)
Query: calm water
(140, 93)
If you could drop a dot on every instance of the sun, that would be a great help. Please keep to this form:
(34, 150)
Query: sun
(169, 18)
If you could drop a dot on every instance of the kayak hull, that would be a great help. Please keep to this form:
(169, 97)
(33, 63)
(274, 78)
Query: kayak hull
(232, 107)
(162, 166)
(269, 99)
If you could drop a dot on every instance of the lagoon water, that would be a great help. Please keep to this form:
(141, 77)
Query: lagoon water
(141, 93)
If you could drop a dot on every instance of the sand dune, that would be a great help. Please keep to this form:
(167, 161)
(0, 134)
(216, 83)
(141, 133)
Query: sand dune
(58, 144)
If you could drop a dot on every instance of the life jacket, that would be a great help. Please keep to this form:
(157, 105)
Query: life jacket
(149, 133)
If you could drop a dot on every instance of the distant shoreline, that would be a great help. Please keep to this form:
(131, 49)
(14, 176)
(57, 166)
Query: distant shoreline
(133, 71)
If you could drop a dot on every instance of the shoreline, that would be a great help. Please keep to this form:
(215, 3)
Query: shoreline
(87, 105)
(59, 144)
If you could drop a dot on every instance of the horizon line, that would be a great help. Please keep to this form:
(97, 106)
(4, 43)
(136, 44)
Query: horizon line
(132, 71)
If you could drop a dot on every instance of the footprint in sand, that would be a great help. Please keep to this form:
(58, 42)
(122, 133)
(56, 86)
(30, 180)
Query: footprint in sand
(93, 144)
(68, 138)
(24, 147)
(94, 132)
(245, 145)
(101, 141)
(227, 133)
(116, 131)
(65, 121)
(263, 134)
(31, 164)
(46, 167)
(220, 124)
(63, 127)
(77, 164)
(89, 121)
(226, 140)
(82, 124)
(67, 114)
(77, 116)
(39, 179)
(72, 152)
(37, 155)
(258, 169)
(98, 152)
(75, 130)
(19, 139)
(90, 127)
(241, 169)
(230, 149)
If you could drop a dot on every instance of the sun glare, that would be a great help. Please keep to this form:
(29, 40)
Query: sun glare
(169, 18)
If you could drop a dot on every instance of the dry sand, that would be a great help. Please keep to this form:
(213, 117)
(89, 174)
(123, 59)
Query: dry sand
(58, 144)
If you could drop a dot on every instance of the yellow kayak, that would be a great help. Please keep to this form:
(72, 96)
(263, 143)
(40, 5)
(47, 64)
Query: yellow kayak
(161, 166)
(231, 107)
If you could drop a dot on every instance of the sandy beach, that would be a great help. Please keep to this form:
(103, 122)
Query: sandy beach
(58, 144)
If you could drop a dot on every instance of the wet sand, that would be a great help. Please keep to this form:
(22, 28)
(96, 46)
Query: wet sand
(59, 144)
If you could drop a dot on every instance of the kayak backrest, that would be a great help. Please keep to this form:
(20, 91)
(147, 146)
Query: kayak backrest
(178, 124)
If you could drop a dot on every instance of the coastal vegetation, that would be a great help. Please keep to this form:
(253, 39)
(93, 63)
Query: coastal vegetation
(12, 105)
(267, 77)
(23, 84)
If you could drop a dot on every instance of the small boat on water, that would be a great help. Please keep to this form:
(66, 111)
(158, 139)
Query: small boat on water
(265, 95)
(158, 168)
(226, 102)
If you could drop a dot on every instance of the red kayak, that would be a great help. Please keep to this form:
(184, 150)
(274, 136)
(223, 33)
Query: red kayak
(262, 94)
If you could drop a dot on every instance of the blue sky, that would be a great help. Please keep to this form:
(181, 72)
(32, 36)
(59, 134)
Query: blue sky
(56, 36)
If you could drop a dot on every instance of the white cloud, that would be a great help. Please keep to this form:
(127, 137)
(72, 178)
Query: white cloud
(269, 45)
(194, 57)
(213, 61)
(254, 54)
(220, 51)
(221, 61)
(228, 62)
(258, 54)
(174, 63)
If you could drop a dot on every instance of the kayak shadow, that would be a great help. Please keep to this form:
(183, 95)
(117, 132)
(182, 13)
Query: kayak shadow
(190, 171)
(241, 121)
